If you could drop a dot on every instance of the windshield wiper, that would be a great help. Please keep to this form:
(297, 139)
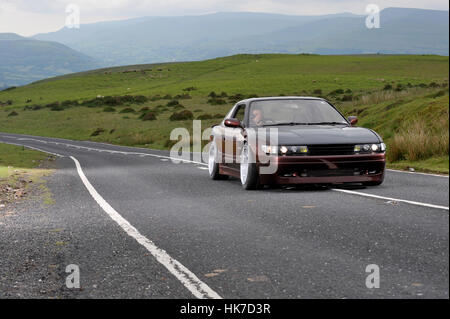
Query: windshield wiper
(286, 124)
(328, 123)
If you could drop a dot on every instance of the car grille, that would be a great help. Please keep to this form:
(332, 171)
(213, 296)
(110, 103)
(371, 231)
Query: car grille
(337, 149)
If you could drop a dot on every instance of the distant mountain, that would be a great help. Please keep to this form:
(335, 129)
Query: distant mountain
(161, 39)
(24, 60)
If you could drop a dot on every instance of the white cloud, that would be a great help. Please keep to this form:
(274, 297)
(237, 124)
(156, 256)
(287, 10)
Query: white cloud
(28, 17)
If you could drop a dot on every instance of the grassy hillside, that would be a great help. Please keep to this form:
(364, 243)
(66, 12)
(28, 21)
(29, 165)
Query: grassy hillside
(24, 60)
(399, 96)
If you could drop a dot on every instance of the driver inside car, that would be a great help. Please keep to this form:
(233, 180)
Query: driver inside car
(257, 117)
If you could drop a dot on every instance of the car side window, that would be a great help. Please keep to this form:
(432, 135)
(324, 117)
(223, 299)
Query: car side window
(240, 113)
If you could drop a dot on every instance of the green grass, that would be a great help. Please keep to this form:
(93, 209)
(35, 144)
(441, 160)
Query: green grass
(432, 165)
(17, 157)
(18, 164)
(389, 112)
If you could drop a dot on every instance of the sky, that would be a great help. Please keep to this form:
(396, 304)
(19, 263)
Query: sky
(29, 17)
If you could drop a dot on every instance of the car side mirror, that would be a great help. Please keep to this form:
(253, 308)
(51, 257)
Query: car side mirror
(353, 120)
(235, 123)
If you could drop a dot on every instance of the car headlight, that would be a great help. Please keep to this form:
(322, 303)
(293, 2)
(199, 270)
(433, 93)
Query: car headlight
(294, 150)
(285, 150)
(270, 149)
(370, 148)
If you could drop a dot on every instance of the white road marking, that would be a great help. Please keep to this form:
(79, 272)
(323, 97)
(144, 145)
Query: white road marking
(390, 199)
(34, 148)
(416, 173)
(338, 190)
(198, 288)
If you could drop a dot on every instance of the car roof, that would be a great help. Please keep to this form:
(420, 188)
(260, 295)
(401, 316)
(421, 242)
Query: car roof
(281, 98)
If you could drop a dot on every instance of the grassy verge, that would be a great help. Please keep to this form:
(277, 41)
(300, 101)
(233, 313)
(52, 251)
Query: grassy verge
(20, 168)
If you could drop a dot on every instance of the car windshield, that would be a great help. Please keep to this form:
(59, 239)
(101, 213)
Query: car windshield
(293, 112)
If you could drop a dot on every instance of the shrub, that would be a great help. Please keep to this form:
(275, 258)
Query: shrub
(216, 101)
(433, 85)
(149, 116)
(347, 97)
(212, 94)
(183, 115)
(127, 110)
(110, 100)
(167, 97)
(191, 88)
(144, 109)
(336, 92)
(69, 103)
(387, 87)
(183, 96)
(437, 94)
(57, 107)
(251, 96)
(97, 132)
(13, 113)
(109, 109)
(36, 107)
(317, 92)
(156, 97)
(173, 103)
(204, 117)
(51, 105)
(218, 116)
(139, 99)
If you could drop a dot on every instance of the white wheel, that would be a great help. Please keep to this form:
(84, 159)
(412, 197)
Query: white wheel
(244, 165)
(248, 169)
(212, 158)
(213, 163)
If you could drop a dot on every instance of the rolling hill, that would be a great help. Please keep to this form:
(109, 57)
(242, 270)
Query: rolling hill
(403, 97)
(192, 38)
(23, 60)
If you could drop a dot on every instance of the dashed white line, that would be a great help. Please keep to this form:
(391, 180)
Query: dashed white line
(197, 287)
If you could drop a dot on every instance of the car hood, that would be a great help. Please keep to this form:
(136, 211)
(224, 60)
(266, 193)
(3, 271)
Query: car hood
(324, 134)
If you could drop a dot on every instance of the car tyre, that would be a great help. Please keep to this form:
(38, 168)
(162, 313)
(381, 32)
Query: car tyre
(213, 164)
(248, 170)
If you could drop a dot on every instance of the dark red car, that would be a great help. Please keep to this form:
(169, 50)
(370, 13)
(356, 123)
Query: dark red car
(294, 140)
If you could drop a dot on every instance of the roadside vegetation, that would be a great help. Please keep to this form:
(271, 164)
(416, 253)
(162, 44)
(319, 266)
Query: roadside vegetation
(404, 98)
(19, 169)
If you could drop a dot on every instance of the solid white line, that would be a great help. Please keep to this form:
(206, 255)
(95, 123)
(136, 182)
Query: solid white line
(416, 173)
(198, 288)
(34, 148)
(390, 199)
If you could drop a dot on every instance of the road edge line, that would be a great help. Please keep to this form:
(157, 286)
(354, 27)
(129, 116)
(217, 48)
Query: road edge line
(189, 280)
(390, 199)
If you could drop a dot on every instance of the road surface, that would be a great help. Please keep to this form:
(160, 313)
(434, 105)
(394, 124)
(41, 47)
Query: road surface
(139, 225)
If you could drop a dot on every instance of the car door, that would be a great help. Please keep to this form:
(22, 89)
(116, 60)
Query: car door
(234, 138)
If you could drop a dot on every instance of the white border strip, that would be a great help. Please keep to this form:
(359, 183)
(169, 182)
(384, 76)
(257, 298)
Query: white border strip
(416, 173)
(390, 199)
(198, 288)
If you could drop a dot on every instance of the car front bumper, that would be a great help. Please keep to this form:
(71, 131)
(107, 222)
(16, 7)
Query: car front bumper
(336, 169)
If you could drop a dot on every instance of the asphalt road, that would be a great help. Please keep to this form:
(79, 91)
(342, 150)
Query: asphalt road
(139, 225)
